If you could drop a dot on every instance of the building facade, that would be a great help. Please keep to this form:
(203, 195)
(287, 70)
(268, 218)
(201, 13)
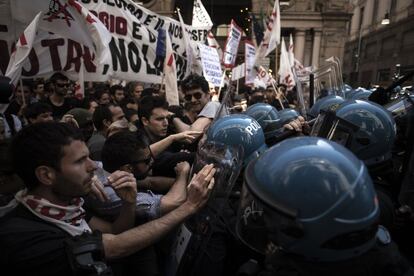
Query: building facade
(373, 49)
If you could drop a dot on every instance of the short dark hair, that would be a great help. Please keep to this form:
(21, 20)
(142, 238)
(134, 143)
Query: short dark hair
(149, 103)
(194, 82)
(58, 76)
(129, 113)
(37, 82)
(121, 149)
(115, 87)
(99, 93)
(35, 109)
(40, 145)
(150, 91)
(125, 101)
(100, 114)
(27, 83)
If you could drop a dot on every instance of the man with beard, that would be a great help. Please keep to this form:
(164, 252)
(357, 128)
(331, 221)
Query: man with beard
(58, 101)
(48, 232)
(196, 94)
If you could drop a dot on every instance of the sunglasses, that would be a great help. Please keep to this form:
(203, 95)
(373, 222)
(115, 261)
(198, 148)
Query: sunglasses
(61, 85)
(196, 95)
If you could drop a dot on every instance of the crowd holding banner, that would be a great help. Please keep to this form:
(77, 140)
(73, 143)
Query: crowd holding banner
(132, 43)
(104, 40)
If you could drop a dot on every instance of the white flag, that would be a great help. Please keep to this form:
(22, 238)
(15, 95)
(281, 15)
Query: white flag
(212, 42)
(189, 50)
(271, 36)
(285, 70)
(201, 18)
(170, 74)
(290, 51)
(69, 19)
(23, 47)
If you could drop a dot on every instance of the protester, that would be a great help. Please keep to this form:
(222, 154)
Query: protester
(53, 162)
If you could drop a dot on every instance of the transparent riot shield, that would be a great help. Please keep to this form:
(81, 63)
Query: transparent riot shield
(226, 102)
(192, 239)
(313, 85)
(228, 163)
(400, 107)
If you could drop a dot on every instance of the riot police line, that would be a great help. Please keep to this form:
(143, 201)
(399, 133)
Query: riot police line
(320, 192)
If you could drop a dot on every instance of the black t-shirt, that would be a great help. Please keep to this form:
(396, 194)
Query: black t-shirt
(59, 111)
(13, 108)
(31, 246)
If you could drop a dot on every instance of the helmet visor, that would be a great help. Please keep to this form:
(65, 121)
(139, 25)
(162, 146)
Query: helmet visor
(328, 125)
(228, 163)
(400, 107)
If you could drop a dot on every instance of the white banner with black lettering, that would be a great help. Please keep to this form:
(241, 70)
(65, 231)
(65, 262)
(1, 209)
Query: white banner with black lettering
(249, 60)
(133, 46)
(211, 64)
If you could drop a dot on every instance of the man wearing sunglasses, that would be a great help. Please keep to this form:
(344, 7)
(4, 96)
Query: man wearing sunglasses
(196, 95)
(58, 101)
(127, 151)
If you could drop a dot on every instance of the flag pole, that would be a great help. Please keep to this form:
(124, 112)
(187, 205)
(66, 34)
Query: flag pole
(21, 87)
(222, 82)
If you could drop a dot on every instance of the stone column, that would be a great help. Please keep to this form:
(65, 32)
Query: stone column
(368, 14)
(299, 44)
(383, 8)
(355, 22)
(316, 47)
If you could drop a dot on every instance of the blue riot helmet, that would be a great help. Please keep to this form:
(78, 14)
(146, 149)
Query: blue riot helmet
(347, 89)
(287, 115)
(362, 94)
(374, 140)
(352, 92)
(315, 199)
(330, 102)
(266, 115)
(239, 130)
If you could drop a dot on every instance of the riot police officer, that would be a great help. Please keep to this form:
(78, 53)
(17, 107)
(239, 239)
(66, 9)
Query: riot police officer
(319, 208)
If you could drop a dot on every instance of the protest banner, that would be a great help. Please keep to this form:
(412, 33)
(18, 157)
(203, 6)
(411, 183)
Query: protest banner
(249, 59)
(132, 46)
(211, 64)
(232, 45)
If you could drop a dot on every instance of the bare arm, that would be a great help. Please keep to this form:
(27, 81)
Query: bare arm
(158, 184)
(199, 125)
(178, 192)
(135, 239)
(183, 137)
(180, 126)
